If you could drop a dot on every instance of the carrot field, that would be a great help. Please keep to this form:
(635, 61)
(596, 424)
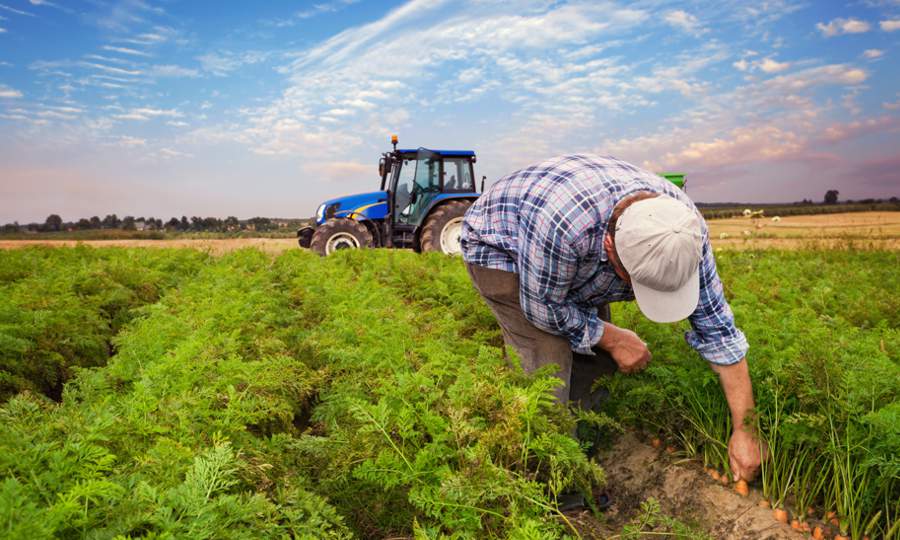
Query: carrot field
(171, 393)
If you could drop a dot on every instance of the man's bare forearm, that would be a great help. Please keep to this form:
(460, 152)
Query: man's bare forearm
(735, 380)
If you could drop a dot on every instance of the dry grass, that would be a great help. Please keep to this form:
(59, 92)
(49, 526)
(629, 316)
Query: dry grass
(861, 230)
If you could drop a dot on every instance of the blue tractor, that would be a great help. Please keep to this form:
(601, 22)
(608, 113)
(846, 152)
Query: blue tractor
(423, 197)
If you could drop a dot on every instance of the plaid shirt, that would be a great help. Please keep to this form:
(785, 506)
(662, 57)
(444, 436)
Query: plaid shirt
(547, 222)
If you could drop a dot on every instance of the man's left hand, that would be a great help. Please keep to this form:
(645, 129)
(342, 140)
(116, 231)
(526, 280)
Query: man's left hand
(744, 454)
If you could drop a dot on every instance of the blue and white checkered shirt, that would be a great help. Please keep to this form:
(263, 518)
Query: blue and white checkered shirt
(547, 222)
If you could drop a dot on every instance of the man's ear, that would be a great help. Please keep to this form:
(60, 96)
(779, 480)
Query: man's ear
(607, 243)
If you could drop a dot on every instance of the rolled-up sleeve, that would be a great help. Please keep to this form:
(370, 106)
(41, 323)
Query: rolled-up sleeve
(714, 334)
(547, 266)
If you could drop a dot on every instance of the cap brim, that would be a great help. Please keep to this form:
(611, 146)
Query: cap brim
(669, 306)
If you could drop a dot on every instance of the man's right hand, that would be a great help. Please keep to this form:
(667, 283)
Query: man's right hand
(626, 348)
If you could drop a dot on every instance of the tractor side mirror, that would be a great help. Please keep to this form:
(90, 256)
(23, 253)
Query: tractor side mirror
(483, 178)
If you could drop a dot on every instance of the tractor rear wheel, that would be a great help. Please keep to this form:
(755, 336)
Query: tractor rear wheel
(443, 227)
(336, 234)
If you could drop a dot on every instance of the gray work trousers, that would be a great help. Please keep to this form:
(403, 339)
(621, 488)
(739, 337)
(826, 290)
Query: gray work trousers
(536, 347)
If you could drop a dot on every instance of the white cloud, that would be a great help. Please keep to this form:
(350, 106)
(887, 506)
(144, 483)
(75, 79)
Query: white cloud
(683, 21)
(771, 66)
(225, 62)
(111, 69)
(146, 113)
(741, 65)
(10, 93)
(168, 70)
(4, 7)
(127, 141)
(833, 74)
(871, 54)
(890, 25)
(2, 30)
(841, 26)
(125, 50)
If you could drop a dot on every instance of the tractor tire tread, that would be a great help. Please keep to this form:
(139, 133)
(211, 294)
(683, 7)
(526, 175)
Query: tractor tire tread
(326, 230)
(431, 231)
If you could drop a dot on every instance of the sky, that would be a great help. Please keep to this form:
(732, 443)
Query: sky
(170, 108)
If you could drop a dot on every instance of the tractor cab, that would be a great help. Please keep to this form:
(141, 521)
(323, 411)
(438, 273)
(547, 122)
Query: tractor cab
(422, 199)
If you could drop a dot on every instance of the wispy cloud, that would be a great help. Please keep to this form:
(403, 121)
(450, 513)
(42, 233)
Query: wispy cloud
(771, 66)
(125, 50)
(684, 21)
(146, 113)
(890, 25)
(872, 54)
(170, 70)
(6, 8)
(112, 69)
(224, 62)
(9, 93)
(841, 26)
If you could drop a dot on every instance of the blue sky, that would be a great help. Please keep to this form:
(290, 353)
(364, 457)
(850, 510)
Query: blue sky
(166, 108)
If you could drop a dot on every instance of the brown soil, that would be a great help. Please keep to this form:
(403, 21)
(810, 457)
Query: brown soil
(636, 471)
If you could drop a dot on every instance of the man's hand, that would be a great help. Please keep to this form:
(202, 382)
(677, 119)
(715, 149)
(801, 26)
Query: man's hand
(626, 348)
(744, 454)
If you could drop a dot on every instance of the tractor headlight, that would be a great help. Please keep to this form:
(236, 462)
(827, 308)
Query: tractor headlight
(320, 213)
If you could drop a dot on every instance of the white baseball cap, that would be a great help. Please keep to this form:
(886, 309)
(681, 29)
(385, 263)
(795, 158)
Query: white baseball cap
(659, 242)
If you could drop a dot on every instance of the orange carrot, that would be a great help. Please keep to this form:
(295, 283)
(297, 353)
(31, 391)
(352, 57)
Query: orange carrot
(742, 488)
(763, 503)
(781, 515)
(795, 524)
(818, 534)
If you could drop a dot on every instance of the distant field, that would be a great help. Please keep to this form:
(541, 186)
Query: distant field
(861, 230)
(869, 230)
(119, 234)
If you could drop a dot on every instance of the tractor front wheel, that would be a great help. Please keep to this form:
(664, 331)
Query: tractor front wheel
(443, 227)
(337, 234)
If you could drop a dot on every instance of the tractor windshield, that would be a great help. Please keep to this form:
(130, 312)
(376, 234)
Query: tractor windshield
(426, 185)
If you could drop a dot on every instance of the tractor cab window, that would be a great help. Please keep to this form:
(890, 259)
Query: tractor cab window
(405, 185)
(458, 175)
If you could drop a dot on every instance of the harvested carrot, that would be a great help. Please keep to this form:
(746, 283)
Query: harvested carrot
(656, 442)
(830, 514)
(781, 515)
(818, 533)
(763, 503)
(810, 511)
(834, 521)
(714, 474)
(742, 488)
(841, 537)
(724, 479)
(804, 527)
(670, 449)
(795, 524)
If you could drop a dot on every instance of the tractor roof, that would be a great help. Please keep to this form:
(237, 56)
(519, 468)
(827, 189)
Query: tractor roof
(449, 153)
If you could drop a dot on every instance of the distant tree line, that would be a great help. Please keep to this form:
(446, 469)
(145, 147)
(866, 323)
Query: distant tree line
(55, 223)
